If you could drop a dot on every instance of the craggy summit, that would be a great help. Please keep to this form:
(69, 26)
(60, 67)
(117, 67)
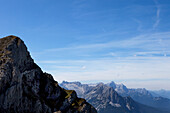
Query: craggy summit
(25, 88)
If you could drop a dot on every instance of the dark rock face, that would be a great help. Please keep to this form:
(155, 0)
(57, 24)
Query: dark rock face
(24, 88)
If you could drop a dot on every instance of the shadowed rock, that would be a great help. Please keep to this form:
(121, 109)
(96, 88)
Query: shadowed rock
(25, 88)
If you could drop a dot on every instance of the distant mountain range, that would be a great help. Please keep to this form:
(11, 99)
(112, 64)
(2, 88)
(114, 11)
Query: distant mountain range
(117, 98)
(162, 93)
(143, 96)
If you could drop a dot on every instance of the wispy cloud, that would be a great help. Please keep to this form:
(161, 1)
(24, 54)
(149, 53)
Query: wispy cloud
(152, 41)
(139, 28)
(157, 15)
(153, 44)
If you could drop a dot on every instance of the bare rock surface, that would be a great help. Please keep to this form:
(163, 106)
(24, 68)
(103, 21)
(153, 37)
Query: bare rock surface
(25, 88)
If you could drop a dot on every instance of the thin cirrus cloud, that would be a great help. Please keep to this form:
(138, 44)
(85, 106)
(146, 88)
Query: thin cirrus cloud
(149, 43)
(157, 15)
(155, 41)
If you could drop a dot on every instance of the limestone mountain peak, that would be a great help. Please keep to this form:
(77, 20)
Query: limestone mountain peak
(25, 88)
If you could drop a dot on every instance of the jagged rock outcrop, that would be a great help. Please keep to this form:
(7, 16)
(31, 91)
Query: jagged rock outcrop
(25, 88)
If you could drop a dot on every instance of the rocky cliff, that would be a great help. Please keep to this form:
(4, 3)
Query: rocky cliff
(25, 88)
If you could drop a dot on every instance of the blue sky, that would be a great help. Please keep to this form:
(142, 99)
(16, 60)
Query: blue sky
(126, 41)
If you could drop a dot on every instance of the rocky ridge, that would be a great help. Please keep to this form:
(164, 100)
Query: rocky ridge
(105, 98)
(25, 88)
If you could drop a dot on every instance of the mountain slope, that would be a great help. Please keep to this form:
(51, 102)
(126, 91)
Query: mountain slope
(106, 100)
(143, 96)
(162, 93)
(24, 88)
(81, 89)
